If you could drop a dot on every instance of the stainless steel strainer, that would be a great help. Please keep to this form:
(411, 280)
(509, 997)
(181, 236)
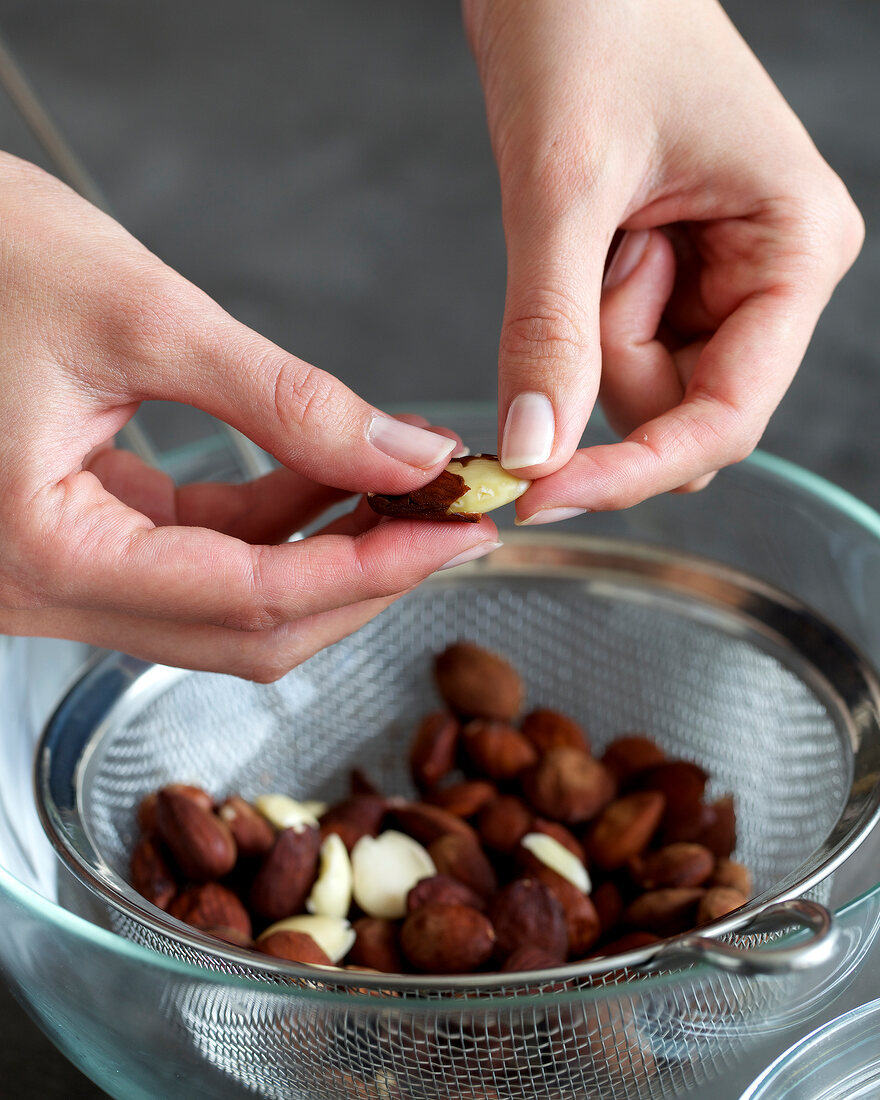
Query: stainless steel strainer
(717, 666)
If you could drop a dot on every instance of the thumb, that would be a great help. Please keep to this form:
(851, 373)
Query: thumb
(549, 359)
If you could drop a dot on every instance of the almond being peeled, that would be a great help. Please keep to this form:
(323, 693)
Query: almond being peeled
(465, 490)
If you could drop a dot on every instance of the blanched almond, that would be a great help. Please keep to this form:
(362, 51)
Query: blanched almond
(385, 869)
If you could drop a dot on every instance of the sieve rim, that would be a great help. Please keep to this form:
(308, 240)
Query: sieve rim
(770, 613)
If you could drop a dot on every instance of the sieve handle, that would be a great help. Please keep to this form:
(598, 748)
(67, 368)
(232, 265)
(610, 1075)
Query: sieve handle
(813, 951)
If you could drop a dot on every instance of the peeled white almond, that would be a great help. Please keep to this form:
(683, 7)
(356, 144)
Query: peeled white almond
(384, 870)
(284, 812)
(315, 807)
(331, 893)
(334, 935)
(558, 858)
(489, 485)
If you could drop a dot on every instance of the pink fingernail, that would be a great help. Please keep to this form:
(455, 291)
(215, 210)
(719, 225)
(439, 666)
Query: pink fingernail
(478, 551)
(550, 515)
(407, 443)
(626, 258)
(528, 431)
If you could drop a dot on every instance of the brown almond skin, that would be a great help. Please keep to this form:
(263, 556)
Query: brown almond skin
(209, 906)
(447, 939)
(529, 957)
(477, 683)
(560, 833)
(464, 799)
(527, 912)
(294, 946)
(630, 754)
(377, 946)
(735, 875)
(201, 844)
(426, 823)
(717, 902)
(287, 874)
(550, 729)
(581, 919)
(497, 749)
(433, 750)
(664, 912)
(354, 817)
(432, 501)
(718, 828)
(683, 783)
(146, 814)
(629, 941)
(609, 905)
(230, 935)
(150, 874)
(568, 785)
(503, 823)
(624, 829)
(681, 864)
(253, 834)
(443, 890)
(463, 858)
(360, 783)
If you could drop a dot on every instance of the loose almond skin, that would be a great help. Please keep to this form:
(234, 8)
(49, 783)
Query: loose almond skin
(201, 844)
(287, 874)
(476, 683)
(624, 829)
(467, 489)
(447, 939)
(550, 729)
(433, 749)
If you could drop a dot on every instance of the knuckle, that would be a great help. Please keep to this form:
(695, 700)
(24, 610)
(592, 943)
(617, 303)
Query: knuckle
(255, 611)
(304, 395)
(549, 331)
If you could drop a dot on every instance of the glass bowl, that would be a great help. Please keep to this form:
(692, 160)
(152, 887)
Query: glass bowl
(136, 1021)
(838, 1061)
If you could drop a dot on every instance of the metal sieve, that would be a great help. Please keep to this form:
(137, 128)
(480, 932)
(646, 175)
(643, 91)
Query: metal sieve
(717, 666)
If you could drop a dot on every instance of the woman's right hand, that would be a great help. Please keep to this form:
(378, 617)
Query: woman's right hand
(98, 547)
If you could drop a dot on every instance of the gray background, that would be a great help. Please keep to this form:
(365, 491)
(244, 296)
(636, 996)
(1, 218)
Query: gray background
(321, 168)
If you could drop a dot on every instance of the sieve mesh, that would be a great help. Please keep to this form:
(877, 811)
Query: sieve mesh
(595, 634)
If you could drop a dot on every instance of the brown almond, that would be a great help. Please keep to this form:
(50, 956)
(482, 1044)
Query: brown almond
(150, 874)
(293, 946)
(629, 941)
(497, 749)
(433, 750)
(354, 817)
(730, 873)
(253, 834)
(209, 906)
(464, 799)
(462, 858)
(717, 902)
(377, 945)
(527, 911)
(360, 783)
(146, 814)
(426, 823)
(287, 874)
(442, 890)
(568, 785)
(624, 829)
(431, 501)
(683, 783)
(477, 683)
(718, 827)
(201, 844)
(550, 729)
(447, 939)
(664, 912)
(681, 864)
(608, 902)
(230, 935)
(560, 833)
(632, 753)
(581, 919)
(503, 823)
(529, 957)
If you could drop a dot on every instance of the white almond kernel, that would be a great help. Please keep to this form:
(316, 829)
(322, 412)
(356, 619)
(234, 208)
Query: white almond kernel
(331, 893)
(558, 858)
(384, 870)
(489, 485)
(334, 935)
(284, 812)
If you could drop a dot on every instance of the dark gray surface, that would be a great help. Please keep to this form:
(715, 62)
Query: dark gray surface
(322, 169)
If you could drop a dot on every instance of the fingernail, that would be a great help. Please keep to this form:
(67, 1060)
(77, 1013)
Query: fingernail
(528, 431)
(462, 452)
(407, 443)
(478, 551)
(550, 515)
(626, 258)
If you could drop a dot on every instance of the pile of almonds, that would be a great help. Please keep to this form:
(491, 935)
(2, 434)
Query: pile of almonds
(524, 851)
